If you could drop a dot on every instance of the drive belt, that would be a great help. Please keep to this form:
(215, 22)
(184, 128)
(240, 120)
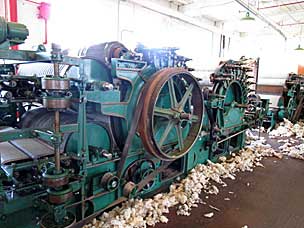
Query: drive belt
(152, 175)
(134, 125)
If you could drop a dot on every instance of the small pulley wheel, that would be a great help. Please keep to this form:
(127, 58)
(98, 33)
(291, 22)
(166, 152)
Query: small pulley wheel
(171, 118)
(138, 171)
(109, 181)
(129, 190)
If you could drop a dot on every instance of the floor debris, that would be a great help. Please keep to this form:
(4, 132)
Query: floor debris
(209, 215)
(186, 193)
(215, 208)
(293, 148)
(288, 129)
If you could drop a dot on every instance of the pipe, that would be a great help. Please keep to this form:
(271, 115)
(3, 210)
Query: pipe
(231, 136)
(56, 147)
(261, 17)
(284, 4)
(45, 32)
(118, 20)
(13, 15)
(291, 24)
(6, 10)
(13, 11)
(37, 3)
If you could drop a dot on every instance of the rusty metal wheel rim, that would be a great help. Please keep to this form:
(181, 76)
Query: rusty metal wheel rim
(176, 114)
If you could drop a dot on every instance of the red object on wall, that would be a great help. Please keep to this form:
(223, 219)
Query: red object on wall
(44, 11)
(301, 69)
(13, 15)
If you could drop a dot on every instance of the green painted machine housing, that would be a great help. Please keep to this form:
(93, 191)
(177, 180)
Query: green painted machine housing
(105, 100)
(290, 104)
(295, 97)
(12, 33)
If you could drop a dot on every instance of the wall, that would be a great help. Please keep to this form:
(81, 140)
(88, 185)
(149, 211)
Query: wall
(74, 24)
(107, 20)
(2, 8)
(277, 57)
(28, 15)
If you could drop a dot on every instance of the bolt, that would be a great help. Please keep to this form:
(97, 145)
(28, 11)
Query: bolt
(114, 184)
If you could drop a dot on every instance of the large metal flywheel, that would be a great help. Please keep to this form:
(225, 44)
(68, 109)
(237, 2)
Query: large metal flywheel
(171, 118)
(234, 103)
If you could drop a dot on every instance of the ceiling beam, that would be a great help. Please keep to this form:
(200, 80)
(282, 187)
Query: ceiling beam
(182, 2)
(292, 24)
(295, 12)
(201, 4)
(262, 17)
(280, 5)
(175, 14)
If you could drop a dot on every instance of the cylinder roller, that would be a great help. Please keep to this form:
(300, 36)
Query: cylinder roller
(14, 33)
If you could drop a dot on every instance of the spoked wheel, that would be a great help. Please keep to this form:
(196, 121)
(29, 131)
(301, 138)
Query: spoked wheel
(138, 171)
(229, 117)
(172, 115)
(234, 103)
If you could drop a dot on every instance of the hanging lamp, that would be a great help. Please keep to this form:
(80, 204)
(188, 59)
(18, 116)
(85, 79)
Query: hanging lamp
(299, 48)
(247, 17)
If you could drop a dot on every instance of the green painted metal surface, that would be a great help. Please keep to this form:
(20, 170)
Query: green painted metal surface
(100, 163)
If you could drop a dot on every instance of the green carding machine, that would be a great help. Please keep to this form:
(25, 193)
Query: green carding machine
(80, 135)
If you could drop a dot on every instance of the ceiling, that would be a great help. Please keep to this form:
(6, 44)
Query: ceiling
(286, 15)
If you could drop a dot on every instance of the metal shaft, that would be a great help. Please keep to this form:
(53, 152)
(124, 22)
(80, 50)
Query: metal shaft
(231, 136)
(56, 69)
(56, 146)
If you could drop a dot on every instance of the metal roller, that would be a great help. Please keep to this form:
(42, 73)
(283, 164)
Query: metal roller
(14, 33)
(104, 52)
(56, 103)
(55, 83)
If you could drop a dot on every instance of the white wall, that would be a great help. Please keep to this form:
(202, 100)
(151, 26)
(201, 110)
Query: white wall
(2, 8)
(100, 21)
(277, 56)
(28, 15)
(78, 23)
(75, 24)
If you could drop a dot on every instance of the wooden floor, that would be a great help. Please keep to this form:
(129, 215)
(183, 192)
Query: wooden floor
(270, 197)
